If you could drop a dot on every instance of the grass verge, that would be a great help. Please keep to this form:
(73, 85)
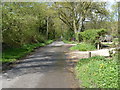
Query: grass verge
(12, 54)
(69, 42)
(97, 72)
(83, 47)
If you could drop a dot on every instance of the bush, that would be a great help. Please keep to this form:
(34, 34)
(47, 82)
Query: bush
(83, 47)
(92, 35)
(98, 72)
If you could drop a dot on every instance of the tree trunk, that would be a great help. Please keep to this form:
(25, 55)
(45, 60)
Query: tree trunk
(82, 25)
(47, 29)
(79, 29)
(75, 31)
(98, 46)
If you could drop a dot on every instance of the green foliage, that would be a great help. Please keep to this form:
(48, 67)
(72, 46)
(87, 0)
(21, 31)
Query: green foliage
(83, 47)
(68, 35)
(75, 19)
(92, 35)
(20, 23)
(11, 54)
(98, 72)
(69, 42)
(48, 41)
(21, 32)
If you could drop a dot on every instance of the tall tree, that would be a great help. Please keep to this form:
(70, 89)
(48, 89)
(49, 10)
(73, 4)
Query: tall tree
(74, 14)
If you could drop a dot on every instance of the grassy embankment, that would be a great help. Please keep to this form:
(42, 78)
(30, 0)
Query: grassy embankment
(12, 54)
(83, 46)
(98, 72)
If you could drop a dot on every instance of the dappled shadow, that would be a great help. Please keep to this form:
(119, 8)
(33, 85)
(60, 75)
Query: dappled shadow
(45, 60)
(33, 66)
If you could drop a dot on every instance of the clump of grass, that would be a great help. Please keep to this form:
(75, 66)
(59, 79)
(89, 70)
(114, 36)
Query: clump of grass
(69, 42)
(83, 47)
(98, 72)
(7, 60)
(48, 41)
(12, 54)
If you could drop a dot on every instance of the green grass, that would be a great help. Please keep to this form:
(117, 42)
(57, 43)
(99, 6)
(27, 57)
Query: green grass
(83, 47)
(12, 54)
(69, 42)
(97, 72)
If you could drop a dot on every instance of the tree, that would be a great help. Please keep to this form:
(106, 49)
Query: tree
(21, 24)
(74, 14)
(113, 28)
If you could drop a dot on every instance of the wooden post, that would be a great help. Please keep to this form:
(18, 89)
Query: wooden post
(98, 46)
(89, 54)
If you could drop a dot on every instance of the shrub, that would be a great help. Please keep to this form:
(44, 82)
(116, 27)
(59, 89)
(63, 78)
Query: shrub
(98, 72)
(92, 35)
(83, 47)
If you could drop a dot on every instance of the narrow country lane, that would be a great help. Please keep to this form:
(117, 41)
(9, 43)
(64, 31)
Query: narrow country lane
(45, 68)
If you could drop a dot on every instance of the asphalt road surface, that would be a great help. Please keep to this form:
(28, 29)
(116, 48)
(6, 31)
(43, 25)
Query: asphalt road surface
(45, 68)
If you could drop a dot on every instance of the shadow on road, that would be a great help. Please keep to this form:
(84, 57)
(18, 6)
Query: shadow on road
(50, 61)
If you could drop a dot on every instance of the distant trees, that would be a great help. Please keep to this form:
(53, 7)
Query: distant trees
(24, 23)
(74, 14)
(108, 21)
(113, 25)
